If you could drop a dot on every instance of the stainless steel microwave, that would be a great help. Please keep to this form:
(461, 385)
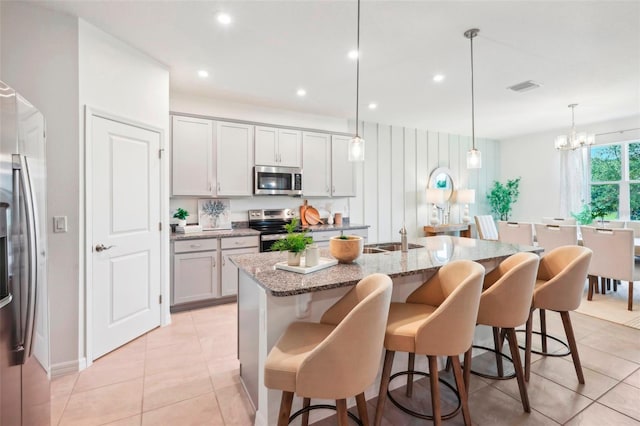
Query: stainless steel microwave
(277, 180)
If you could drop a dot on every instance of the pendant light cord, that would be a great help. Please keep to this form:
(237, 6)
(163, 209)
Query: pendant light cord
(358, 69)
(473, 115)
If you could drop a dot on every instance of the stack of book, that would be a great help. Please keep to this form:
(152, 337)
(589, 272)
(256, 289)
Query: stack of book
(188, 229)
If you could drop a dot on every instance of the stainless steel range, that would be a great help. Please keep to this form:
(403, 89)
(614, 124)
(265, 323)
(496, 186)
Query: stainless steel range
(270, 223)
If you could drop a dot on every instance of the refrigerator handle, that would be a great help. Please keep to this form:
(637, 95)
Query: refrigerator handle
(21, 169)
(5, 301)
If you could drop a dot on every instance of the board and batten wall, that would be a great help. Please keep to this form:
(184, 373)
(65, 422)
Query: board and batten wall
(392, 181)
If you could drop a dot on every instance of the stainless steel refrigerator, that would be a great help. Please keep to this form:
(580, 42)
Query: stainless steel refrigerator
(24, 324)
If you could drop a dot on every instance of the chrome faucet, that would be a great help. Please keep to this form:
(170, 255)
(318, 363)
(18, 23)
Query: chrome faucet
(404, 246)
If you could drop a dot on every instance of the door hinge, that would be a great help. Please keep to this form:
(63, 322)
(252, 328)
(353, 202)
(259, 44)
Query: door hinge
(160, 299)
(159, 226)
(160, 152)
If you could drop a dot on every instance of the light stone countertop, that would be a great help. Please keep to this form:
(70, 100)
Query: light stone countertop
(438, 251)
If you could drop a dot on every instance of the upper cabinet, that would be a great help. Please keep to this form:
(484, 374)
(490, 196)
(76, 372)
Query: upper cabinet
(234, 159)
(316, 160)
(278, 147)
(192, 157)
(342, 170)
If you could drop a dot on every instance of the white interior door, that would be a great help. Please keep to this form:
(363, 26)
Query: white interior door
(125, 233)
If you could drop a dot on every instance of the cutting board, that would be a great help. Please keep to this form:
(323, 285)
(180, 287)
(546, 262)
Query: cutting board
(312, 216)
(303, 210)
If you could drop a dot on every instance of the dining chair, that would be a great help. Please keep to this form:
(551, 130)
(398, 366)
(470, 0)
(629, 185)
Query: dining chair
(486, 227)
(550, 237)
(337, 358)
(437, 319)
(635, 225)
(609, 224)
(515, 233)
(559, 287)
(558, 221)
(613, 257)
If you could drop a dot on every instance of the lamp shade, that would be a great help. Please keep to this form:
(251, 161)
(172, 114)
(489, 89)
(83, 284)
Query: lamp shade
(466, 196)
(435, 196)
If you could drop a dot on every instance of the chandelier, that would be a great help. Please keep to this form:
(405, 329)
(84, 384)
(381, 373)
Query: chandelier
(574, 139)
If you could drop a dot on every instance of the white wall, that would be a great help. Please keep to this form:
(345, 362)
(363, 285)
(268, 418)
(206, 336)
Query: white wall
(40, 60)
(390, 184)
(534, 159)
(122, 81)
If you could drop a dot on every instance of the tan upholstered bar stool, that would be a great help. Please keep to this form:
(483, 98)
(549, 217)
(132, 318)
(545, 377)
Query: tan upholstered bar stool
(337, 358)
(505, 304)
(437, 319)
(559, 286)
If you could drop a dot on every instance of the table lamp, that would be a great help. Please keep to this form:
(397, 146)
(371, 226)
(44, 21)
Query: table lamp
(436, 197)
(466, 197)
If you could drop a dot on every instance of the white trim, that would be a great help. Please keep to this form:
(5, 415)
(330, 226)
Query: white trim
(86, 249)
(68, 367)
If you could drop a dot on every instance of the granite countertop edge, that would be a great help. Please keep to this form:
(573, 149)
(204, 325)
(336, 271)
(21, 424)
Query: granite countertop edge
(248, 232)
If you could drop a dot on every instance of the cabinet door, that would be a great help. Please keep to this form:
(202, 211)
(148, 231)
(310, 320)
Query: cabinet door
(289, 148)
(195, 276)
(229, 283)
(316, 157)
(192, 156)
(342, 170)
(266, 146)
(234, 159)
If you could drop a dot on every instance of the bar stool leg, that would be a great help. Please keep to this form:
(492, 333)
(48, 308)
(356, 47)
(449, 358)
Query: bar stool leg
(593, 283)
(467, 367)
(384, 386)
(543, 329)
(527, 345)
(361, 402)
(630, 297)
(285, 408)
(462, 390)
(341, 406)
(497, 344)
(517, 365)
(412, 363)
(435, 389)
(571, 339)
(305, 416)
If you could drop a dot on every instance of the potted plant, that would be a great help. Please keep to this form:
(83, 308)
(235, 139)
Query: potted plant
(502, 197)
(346, 248)
(295, 243)
(181, 214)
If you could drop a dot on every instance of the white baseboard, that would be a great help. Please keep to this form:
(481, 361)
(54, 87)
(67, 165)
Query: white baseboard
(68, 367)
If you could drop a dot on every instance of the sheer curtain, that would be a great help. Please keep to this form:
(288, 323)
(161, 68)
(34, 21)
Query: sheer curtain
(573, 181)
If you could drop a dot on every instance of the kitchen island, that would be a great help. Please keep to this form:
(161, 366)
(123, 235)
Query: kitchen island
(270, 299)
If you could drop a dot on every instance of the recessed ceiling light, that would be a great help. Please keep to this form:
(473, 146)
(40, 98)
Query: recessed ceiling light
(438, 78)
(224, 18)
(353, 54)
(203, 74)
(373, 105)
(301, 92)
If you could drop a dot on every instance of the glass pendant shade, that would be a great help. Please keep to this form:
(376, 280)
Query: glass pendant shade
(356, 149)
(474, 159)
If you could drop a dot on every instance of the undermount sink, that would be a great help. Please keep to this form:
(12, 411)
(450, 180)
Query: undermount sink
(384, 247)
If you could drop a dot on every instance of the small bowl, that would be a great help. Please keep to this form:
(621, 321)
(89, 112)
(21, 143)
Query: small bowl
(346, 250)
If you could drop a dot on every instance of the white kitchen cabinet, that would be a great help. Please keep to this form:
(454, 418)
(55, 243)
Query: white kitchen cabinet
(364, 233)
(192, 157)
(229, 276)
(321, 238)
(316, 164)
(342, 170)
(195, 271)
(234, 159)
(278, 147)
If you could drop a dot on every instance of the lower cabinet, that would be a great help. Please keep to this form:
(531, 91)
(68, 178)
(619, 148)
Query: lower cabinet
(202, 271)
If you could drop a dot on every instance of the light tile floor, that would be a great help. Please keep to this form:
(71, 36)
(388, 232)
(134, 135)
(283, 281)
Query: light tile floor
(187, 374)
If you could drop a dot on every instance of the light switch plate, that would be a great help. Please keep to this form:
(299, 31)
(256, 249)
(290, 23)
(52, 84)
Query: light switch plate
(59, 224)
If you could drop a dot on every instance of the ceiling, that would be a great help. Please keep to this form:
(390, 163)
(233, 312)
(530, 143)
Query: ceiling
(581, 52)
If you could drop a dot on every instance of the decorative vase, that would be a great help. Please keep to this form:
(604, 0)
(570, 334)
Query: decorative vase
(346, 250)
(293, 258)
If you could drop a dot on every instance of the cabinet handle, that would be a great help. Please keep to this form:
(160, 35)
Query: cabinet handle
(218, 186)
(214, 263)
(333, 188)
(210, 187)
(194, 245)
(224, 261)
(327, 189)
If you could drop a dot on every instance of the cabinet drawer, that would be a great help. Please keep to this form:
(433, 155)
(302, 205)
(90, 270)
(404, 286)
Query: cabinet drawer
(324, 236)
(238, 242)
(195, 245)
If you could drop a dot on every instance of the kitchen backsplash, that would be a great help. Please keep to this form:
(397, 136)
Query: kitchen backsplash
(240, 206)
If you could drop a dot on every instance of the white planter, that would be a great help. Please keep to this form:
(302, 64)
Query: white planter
(293, 259)
(182, 222)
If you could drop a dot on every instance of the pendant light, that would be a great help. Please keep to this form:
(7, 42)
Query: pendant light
(474, 156)
(574, 139)
(356, 145)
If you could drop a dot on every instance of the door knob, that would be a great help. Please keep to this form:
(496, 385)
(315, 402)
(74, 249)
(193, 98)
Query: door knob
(101, 247)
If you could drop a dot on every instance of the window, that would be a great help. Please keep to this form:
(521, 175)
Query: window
(615, 179)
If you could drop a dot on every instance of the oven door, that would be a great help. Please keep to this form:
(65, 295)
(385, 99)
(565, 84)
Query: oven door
(267, 240)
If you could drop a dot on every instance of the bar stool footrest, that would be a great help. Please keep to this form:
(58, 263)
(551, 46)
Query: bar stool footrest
(490, 376)
(555, 339)
(325, 407)
(422, 415)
